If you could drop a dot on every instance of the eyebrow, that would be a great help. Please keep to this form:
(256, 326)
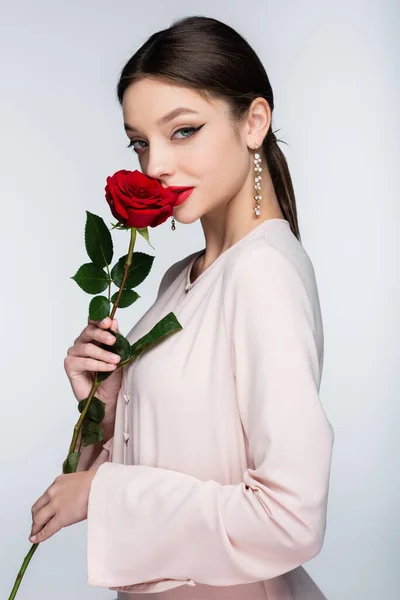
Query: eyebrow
(166, 118)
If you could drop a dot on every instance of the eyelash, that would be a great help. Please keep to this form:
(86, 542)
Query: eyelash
(194, 129)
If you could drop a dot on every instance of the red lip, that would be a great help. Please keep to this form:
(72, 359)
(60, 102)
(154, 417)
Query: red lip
(179, 187)
(184, 193)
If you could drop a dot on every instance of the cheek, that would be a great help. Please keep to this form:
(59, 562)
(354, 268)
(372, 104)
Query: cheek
(217, 157)
(228, 169)
(202, 157)
(218, 162)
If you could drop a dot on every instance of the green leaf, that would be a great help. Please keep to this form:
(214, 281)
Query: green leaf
(103, 375)
(139, 269)
(96, 410)
(121, 346)
(164, 327)
(128, 297)
(71, 462)
(91, 279)
(98, 241)
(99, 308)
(145, 233)
(92, 433)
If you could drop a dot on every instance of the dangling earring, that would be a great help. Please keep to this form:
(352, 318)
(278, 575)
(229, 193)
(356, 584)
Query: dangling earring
(173, 223)
(257, 181)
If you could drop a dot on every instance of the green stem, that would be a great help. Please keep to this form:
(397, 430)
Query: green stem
(96, 384)
(22, 571)
(78, 425)
(127, 265)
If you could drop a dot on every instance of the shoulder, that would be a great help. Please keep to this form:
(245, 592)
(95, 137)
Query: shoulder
(272, 266)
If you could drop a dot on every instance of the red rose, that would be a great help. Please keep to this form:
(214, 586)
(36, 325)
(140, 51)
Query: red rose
(137, 200)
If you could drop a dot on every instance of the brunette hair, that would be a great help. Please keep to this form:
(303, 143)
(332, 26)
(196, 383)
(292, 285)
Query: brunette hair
(211, 57)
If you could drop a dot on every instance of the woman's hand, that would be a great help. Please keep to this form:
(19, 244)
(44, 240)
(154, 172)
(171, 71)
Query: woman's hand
(86, 357)
(64, 503)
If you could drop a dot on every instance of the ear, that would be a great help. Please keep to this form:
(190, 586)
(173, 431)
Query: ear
(259, 118)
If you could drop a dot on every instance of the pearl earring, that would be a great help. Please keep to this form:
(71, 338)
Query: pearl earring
(257, 181)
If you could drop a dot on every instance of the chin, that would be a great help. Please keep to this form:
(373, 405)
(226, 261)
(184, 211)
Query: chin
(184, 214)
(185, 219)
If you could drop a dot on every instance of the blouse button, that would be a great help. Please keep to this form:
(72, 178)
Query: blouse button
(126, 436)
(127, 397)
(190, 582)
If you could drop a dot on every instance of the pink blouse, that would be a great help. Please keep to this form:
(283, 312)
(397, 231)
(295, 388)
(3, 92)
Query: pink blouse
(215, 484)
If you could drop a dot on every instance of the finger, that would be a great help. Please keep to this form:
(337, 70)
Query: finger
(87, 331)
(106, 322)
(48, 530)
(89, 341)
(79, 356)
(42, 517)
(93, 333)
(91, 327)
(41, 502)
(80, 364)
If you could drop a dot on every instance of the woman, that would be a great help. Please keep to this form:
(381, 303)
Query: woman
(213, 481)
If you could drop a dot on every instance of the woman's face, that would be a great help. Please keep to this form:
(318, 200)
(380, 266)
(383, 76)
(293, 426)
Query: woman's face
(199, 149)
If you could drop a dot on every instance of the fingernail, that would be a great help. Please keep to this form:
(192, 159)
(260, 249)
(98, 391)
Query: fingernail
(32, 538)
(104, 321)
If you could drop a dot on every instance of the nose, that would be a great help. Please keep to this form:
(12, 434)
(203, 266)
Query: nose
(160, 164)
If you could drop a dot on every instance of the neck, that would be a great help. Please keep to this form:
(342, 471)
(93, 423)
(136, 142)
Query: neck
(226, 225)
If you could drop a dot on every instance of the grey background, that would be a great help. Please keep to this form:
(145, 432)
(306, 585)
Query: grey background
(334, 68)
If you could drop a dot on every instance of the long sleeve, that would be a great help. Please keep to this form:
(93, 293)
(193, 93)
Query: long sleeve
(149, 523)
